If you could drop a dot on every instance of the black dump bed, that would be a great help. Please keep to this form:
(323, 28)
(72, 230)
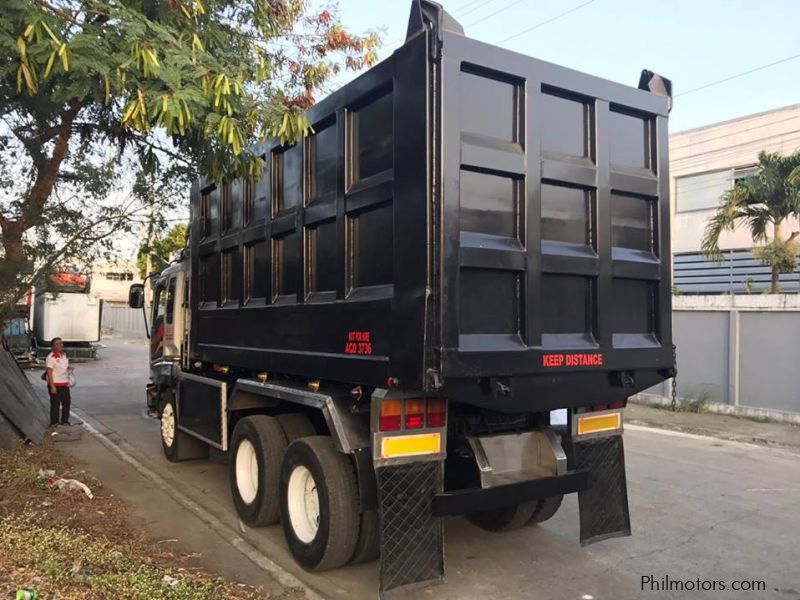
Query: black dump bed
(465, 221)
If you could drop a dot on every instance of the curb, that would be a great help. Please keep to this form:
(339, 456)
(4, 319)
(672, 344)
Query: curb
(778, 416)
(649, 428)
(281, 575)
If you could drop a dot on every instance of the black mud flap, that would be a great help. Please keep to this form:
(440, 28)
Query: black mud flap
(411, 538)
(604, 504)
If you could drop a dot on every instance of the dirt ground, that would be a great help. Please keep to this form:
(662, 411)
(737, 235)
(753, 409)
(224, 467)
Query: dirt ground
(65, 545)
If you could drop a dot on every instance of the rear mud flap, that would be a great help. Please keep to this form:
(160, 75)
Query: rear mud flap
(411, 538)
(604, 504)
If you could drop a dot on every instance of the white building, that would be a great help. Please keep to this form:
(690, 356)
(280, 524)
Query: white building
(111, 280)
(704, 163)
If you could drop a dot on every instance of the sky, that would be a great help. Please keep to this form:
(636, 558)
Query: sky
(692, 42)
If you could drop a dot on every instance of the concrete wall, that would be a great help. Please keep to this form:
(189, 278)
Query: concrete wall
(729, 145)
(124, 321)
(738, 351)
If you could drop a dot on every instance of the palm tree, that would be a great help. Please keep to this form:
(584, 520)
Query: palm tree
(762, 202)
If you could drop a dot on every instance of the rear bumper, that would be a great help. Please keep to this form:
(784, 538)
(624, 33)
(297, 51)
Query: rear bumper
(462, 502)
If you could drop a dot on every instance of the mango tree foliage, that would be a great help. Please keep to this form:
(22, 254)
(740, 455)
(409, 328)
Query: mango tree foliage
(96, 91)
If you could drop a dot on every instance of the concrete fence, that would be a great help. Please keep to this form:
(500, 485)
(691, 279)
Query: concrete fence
(122, 320)
(737, 354)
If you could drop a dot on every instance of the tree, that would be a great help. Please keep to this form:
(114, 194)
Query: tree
(161, 251)
(762, 202)
(93, 89)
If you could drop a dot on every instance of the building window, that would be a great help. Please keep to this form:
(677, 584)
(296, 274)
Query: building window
(124, 276)
(701, 192)
(743, 173)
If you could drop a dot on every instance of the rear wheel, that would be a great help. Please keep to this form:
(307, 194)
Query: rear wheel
(257, 448)
(545, 509)
(296, 426)
(505, 519)
(368, 546)
(319, 504)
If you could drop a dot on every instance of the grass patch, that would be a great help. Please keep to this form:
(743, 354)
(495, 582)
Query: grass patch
(688, 404)
(67, 546)
(694, 405)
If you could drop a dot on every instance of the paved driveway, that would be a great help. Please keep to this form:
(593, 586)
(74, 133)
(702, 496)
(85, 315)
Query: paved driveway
(701, 508)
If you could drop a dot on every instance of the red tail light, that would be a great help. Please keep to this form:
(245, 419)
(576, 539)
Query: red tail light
(391, 411)
(437, 412)
(415, 414)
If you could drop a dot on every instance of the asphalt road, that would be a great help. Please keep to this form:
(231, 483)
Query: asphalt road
(701, 508)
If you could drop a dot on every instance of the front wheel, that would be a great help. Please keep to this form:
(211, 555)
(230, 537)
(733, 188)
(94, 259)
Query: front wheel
(178, 445)
(319, 504)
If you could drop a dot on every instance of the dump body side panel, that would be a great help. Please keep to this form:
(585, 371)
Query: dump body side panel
(320, 269)
(555, 240)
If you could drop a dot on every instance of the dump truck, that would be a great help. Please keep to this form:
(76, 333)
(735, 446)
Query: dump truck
(379, 330)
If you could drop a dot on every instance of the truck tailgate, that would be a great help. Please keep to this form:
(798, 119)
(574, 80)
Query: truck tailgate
(555, 212)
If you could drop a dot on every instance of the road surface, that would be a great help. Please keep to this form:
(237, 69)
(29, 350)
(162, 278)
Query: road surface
(701, 508)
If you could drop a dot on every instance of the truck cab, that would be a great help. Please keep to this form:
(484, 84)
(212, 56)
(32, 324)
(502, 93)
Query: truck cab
(167, 329)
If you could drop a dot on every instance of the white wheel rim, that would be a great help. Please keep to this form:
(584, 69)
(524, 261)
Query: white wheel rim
(303, 503)
(246, 471)
(168, 425)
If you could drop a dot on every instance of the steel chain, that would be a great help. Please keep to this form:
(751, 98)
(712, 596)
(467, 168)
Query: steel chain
(674, 378)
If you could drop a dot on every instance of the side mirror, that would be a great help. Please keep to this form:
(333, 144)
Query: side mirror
(136, 295)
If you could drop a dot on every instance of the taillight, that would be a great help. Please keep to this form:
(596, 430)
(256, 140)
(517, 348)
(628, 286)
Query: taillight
(415, 414)
(437, 412)
(391, 411)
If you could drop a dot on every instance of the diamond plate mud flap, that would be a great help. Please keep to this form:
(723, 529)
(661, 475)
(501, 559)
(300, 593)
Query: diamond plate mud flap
(411, 538)
(604, 504)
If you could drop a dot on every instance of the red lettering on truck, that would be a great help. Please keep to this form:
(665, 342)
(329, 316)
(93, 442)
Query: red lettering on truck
(573, 359)
(358, 342)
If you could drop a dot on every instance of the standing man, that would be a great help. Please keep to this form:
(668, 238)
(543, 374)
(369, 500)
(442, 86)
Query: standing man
(57, 365)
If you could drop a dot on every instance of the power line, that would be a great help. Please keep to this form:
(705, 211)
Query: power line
(742, 74)
(497, 12)
(543, 23)
(480, 4)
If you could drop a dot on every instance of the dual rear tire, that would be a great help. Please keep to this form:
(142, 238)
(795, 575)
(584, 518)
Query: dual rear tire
(280, 470)
(518, 515)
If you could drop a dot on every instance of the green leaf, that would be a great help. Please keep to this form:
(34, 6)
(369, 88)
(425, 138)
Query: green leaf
(62, 52)
(22, 48)
(107, 99)
(49, 66)
(50, 32)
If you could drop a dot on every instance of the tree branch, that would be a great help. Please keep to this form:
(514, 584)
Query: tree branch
(46, 178)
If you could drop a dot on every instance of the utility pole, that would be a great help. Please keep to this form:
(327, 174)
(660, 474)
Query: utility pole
(151, 238)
